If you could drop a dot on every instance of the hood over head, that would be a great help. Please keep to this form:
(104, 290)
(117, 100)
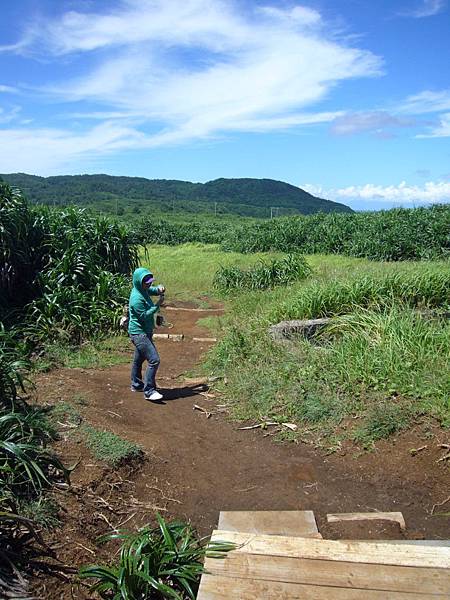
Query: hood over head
(138, 276)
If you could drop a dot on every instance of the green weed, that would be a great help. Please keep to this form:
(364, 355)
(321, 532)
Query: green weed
(382, 420)
(43, 511)
(397, 234)
(213, 324)
(65, 412)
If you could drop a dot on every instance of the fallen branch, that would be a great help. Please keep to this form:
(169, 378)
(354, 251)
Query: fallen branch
(201, 409)
(290, 426)
(85, 547)
(439, 504)
(114, 413)
(445, 457)
(262, 425)
(415, 451)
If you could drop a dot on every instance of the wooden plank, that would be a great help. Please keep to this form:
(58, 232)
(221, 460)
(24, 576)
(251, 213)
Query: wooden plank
(331, 573)
(227, 588)
(397, 517)
(299, 523)
(350, 551)
(443, 543)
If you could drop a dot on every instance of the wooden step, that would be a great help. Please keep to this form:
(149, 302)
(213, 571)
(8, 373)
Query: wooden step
(339, 550)
(294, 523)
(227, 588)
(331, 573)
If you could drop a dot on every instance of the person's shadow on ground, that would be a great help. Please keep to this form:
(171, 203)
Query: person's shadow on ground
(178, 393)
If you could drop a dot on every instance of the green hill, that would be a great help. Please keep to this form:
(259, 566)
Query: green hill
(247, 197)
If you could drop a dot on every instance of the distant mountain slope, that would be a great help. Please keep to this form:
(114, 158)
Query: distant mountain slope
(247, 193)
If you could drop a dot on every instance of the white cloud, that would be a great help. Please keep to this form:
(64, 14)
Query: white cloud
(298, 16)
(22, 148)
(8, 89)
(441, 130)
(378, 122)
(425, 8)
(6, 116)
(426, 102)
(46, 151)
(430, 192)
(192, 69)
(199, 23)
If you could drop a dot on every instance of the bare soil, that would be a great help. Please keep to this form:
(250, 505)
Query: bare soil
(196, 466)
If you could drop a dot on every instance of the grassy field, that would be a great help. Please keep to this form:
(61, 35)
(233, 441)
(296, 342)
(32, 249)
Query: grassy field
(188, 271)
(382, 364)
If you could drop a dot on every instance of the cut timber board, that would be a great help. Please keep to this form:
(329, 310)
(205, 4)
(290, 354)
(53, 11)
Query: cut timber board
(338, 550)
(297, 523)
(396, 517)
(226, 588)
(329, 573)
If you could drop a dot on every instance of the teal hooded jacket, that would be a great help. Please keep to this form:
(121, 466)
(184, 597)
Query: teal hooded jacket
(141, 308)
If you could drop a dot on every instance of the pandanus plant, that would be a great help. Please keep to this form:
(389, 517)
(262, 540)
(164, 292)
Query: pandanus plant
(155, 563)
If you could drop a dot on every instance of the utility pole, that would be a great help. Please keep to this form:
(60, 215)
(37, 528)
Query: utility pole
(117, 206)
(215, 209)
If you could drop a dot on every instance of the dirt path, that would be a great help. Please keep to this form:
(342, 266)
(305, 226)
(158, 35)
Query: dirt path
(199, 466)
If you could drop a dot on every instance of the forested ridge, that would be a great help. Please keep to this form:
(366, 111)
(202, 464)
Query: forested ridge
(246, 197)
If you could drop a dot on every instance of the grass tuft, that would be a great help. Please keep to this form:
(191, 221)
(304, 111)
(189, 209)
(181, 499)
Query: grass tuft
(109, 447)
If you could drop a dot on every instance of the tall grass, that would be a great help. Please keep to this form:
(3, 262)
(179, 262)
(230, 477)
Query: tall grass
(428, 286)
(263, 275)
(384, 357)
(188, 270)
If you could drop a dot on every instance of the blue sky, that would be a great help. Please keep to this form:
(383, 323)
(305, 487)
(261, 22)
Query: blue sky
(349, 99)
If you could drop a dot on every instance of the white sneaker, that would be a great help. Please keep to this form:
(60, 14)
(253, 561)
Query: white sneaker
(154, 396)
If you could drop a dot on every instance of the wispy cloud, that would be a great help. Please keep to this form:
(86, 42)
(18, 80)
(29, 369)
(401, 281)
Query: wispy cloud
(426, 102)
(45, 151)
(183, 70)
(440, 130)
(10, 114)
(425, 8)
(8, 89)
(377, 122)
(430, 192)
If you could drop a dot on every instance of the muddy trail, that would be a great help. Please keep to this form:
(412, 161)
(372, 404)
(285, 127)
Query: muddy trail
(196, 466)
